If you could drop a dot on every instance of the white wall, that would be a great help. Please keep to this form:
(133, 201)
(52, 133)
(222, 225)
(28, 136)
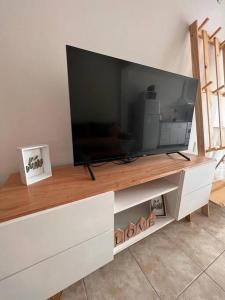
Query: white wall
(34, 103)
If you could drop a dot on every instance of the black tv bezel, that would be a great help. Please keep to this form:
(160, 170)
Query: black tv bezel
(121, 158)
(117, 158)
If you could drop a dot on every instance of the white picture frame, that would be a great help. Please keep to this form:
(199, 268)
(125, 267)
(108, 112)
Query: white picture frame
(158, 206)
(34, 163)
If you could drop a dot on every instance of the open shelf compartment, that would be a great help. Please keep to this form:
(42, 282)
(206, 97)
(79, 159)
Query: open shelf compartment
(135, 202)
(135, 195)
(159, 223)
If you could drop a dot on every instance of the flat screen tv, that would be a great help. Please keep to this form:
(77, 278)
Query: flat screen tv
(121, 110)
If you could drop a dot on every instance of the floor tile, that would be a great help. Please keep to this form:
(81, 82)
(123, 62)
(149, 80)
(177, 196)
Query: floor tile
(196, 242)
(171, 260)
(216, 208)
(74, 292)
(203, 288)
(215, 224)
(121, 279)
(217, 271)
(166, 266)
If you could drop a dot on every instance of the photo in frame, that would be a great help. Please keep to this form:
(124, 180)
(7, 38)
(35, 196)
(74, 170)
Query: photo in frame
(34, 163)
(158, 206)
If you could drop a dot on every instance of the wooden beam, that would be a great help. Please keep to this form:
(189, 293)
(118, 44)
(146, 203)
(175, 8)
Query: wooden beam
(211, 42)
(214, 33)
(215, 149)
(223, 51)
(203, 23)
(196, 74)
(218, 89)
(222, 44)
(218, 84)
(220, 92)
(206, 85)
(208, 94)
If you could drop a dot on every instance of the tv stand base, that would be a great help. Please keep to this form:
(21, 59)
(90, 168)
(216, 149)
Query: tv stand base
(91, 172)
(181, 154)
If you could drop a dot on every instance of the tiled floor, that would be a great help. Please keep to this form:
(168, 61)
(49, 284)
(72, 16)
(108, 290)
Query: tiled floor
(181, 261)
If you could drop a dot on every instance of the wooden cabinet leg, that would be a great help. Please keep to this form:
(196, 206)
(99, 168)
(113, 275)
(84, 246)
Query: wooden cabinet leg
(56, 296)
(205, 210)
(188, 218)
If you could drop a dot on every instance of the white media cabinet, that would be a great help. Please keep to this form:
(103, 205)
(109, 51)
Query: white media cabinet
(56, 232)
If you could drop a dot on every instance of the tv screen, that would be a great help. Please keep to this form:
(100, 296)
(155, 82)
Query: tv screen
(121, 109)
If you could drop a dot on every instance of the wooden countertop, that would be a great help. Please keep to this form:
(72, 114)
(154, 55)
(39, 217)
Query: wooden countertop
(70, 183)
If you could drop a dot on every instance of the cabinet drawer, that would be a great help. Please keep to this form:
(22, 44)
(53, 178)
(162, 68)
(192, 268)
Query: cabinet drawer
(197, 177)
(28, 240)
(193, 201)
(47, 278)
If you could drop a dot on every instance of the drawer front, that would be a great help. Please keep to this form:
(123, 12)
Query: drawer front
(197, 177)
(28, 240)
(193, 201)
(47, 278)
